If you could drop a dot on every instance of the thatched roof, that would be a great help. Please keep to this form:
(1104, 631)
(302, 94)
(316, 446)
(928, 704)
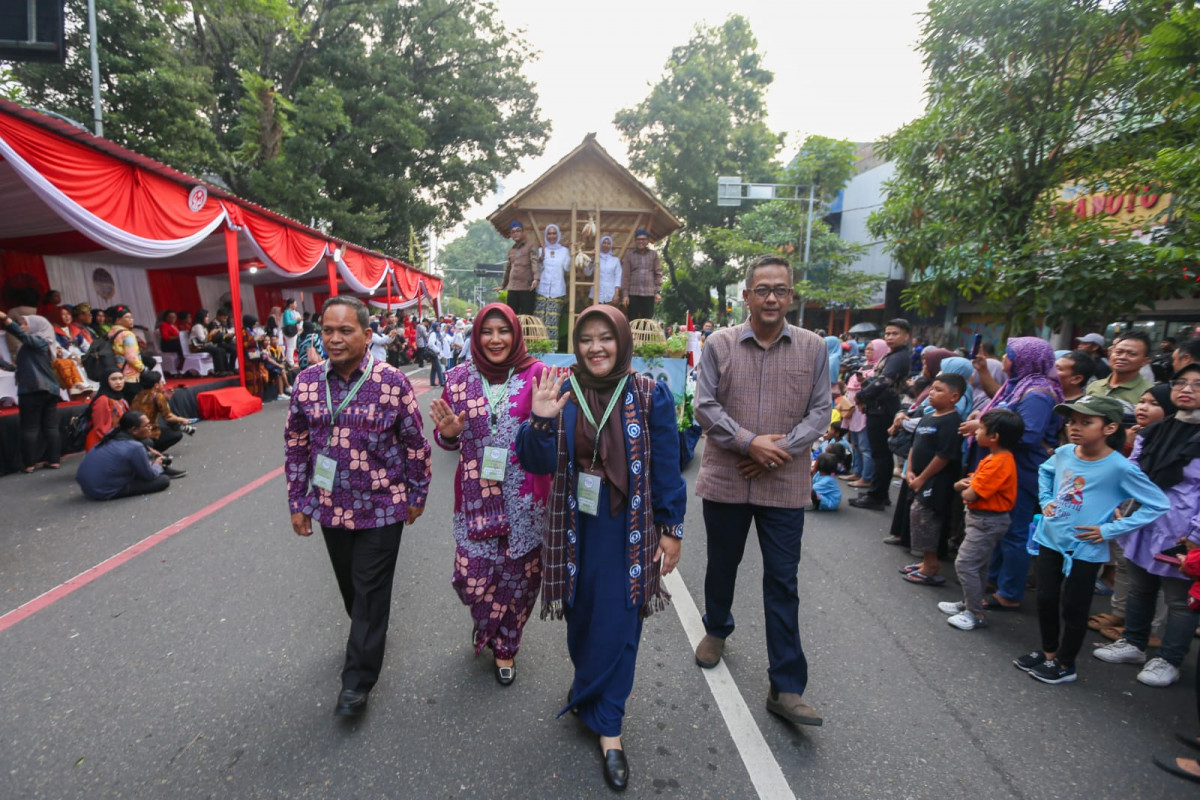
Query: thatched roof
(592, 181)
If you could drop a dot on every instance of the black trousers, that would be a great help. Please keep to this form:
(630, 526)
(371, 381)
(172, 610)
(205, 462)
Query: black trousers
(168, 437)
(1067, 598)
(220, 356)
(364, 563)
(522, 301)
(641, 307)
(40, 439)
(139, 486)
(780, 531)
(877, 439)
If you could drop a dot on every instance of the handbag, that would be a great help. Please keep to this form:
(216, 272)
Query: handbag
(900, 443)
(291, 330)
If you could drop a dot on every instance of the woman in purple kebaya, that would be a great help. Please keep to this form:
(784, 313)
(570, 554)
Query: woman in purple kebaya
(499, 509)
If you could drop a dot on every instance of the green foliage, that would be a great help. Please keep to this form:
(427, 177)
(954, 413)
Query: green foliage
(479, 244)
(539, 346)
(706, 117)
(650, 350)
(369, 117)
(1025, 96)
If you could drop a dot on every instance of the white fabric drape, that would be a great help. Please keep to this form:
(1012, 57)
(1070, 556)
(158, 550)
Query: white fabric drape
(96, 228)
(74, 279)
(213, 289)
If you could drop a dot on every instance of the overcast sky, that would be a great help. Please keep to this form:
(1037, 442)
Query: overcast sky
(842, 69)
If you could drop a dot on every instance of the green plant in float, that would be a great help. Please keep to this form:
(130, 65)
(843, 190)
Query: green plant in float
(677, 345)
(539, 346)
(687, 414)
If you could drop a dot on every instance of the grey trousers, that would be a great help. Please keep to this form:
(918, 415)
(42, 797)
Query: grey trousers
(983, 530)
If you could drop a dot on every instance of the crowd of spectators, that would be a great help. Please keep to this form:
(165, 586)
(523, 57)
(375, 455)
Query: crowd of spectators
(1075, 473)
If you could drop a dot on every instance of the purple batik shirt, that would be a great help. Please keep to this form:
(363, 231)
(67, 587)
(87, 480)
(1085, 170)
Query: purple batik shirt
(382, 455)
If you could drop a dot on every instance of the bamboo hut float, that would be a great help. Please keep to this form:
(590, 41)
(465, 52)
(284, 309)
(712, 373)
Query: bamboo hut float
(588, 195)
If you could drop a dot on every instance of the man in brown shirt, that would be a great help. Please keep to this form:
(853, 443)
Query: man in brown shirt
(641, 278)
(763, 398)
(520, 276)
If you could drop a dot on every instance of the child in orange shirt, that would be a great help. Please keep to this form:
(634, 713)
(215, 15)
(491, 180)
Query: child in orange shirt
(989, 494)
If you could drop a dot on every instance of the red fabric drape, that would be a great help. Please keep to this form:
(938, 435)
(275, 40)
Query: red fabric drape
(264, 299)
(292, 250)
(131, 198)
(407, 281)
(18, 272)
(319, 299)
(171, 290)
(364, 267)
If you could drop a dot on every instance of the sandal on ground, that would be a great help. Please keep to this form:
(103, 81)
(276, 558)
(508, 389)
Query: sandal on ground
(1170, 764)
(1191, 741)
(1099, 621)
(992, 603)
(924, 580)
(54, 466)
(1112, 634)
(909, 568)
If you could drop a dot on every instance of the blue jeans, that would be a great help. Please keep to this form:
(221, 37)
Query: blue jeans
(863, 464)
(779, 533)
(1010, 562)
(1139, 612)
(437, 371)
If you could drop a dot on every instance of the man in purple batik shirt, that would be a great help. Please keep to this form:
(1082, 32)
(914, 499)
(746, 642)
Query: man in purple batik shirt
(358, 463)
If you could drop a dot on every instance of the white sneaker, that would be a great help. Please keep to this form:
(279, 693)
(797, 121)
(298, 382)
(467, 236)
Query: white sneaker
(946, 607)
(1120, 652)
(1158, 672)
(966, 621)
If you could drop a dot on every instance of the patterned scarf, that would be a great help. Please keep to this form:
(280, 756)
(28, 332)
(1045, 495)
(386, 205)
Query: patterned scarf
(560, 551)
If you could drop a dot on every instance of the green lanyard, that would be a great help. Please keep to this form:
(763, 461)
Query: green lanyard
(496, 395)
(333, 415)
(587, 412)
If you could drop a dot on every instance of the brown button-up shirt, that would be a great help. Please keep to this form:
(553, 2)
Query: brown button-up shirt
(521, 269)
(641, 273)
(745, 390)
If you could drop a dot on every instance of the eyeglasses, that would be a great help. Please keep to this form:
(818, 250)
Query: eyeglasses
(781, 292)
(1191, 386)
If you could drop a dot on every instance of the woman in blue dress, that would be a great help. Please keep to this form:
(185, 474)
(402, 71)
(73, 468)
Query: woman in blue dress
(616, 506)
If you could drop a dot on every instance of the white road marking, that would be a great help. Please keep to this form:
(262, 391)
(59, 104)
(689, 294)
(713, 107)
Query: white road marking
(765, 772)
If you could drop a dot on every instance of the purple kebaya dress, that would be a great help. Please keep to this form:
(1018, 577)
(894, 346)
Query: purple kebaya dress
(498, 525)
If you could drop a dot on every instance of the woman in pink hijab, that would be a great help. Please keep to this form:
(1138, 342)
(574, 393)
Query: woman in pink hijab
(863, 466)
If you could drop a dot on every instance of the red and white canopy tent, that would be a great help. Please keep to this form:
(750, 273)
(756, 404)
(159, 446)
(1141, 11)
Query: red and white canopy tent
(103, 224)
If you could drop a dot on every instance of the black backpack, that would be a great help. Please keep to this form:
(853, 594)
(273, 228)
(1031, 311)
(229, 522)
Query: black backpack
(100, 359)
(75, 436)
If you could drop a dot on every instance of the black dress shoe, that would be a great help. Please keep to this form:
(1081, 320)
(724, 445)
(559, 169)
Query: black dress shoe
(863, 502)
(172, 472)
(616, 769)
(351, 703)
(506, 675)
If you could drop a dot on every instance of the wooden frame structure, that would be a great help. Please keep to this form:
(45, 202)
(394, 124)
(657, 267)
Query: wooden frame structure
(588, 195)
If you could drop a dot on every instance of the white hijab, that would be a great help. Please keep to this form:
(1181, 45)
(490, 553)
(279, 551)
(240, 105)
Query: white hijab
(552, 249)
(607, 259)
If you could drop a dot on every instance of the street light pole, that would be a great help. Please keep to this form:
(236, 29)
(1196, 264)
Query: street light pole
(96, 112)
(807, 246)
(731, 192)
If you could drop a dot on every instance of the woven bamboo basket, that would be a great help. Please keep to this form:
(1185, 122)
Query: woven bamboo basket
(532, 327)
(647, 331)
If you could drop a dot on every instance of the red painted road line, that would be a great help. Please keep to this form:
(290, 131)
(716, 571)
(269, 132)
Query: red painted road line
(109, 564)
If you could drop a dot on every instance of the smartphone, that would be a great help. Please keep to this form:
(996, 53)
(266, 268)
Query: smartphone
(975, 344)
(1171, 555)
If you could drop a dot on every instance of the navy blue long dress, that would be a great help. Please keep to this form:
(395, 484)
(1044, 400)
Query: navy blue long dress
(604, 626)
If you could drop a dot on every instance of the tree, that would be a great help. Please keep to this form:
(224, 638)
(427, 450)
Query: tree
(1025, 97)
(479, 244)
(779, 226)
(372, 118)
(705, 117)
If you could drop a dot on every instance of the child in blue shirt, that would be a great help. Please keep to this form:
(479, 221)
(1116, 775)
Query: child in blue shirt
(826, 494)
(1079, 489)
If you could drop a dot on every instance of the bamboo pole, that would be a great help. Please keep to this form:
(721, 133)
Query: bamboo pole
(571, 284)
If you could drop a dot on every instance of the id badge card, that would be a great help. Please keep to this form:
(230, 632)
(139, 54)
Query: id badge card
(495, 461)
(589, 493)
(325, 473)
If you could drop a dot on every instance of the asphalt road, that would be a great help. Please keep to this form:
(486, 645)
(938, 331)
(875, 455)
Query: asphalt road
(207, 666)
